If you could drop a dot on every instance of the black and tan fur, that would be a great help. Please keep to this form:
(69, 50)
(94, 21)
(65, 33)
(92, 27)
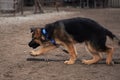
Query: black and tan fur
(67, 32)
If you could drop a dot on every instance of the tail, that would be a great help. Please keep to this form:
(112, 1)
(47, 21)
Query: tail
(113, 37)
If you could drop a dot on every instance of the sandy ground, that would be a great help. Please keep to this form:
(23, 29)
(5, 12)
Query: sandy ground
(17, 64)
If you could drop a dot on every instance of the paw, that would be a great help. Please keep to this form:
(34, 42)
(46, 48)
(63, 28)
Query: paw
(34, 53)
(69, 62)
(110, 62)
(86, 62)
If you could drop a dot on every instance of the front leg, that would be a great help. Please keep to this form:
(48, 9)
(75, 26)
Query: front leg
(73, 54)
(42, 50)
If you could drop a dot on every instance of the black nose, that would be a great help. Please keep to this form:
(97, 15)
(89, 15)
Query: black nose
(33, 44)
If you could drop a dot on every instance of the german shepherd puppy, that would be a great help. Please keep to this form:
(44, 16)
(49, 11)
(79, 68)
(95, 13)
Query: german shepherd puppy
(67, 32)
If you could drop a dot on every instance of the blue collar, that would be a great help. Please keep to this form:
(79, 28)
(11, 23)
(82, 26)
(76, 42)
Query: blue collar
(45, 33)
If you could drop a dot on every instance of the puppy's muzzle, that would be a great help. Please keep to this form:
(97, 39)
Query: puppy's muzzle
(33, 44)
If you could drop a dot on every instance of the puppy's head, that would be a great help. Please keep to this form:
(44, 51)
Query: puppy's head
(36, 38)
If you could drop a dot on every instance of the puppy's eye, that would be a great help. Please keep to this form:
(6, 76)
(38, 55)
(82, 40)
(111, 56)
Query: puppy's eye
(35, 38)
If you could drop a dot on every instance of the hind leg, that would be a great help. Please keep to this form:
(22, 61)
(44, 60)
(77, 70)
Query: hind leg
(95, 59)
(96, 55)
(109, 51)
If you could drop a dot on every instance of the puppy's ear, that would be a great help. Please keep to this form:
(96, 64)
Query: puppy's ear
(32, 29)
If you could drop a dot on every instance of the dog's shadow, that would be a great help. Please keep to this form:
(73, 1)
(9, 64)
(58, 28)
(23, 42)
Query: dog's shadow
(103, 61)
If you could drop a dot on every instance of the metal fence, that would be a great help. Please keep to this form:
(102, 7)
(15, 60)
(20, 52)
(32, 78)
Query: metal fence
(6, 5)
(15, 4)
(114, 3)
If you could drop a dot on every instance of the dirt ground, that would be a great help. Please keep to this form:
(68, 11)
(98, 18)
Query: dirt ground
(17, 64)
